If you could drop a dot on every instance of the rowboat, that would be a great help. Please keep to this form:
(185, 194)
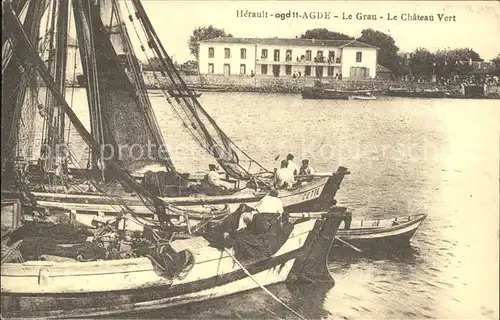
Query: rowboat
(178, 94)
(380, 233)
(362, 98)
(72, 289)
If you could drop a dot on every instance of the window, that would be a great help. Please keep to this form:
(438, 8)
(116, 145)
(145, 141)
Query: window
(243, 69)
(307, 71)
(276, 70)
(308, 55)
(288, 70)
(263, 68)
(210, 68)
(243, 53)
(227, 69)
(227, 53)
(210, 52)
(330, 71)
(276, 55)
(359, 56)
(263, 55)
(289, 55)
(319, 54)
(331, 56)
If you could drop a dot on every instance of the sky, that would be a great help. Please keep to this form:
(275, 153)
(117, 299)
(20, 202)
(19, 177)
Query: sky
(476, 25)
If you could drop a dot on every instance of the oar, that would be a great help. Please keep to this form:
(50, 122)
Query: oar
(348, 244)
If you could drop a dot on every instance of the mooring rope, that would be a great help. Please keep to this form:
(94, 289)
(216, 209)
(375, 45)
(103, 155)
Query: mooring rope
(262, 287)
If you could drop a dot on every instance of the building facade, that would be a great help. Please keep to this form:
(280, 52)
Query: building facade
(288, 57)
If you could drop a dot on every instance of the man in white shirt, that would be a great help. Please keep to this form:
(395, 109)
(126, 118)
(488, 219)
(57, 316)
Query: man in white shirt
(284, 177)
(291, 165)
(270, 204)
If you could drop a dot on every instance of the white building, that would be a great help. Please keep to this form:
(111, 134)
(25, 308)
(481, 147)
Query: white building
(284, 57)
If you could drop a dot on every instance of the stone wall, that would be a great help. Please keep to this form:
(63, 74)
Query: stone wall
(274, 84)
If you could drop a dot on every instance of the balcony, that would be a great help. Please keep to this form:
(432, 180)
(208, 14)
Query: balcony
(303, 62)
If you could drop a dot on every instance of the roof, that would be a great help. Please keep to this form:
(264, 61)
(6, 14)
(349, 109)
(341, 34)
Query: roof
(291, 42)
(381, 68)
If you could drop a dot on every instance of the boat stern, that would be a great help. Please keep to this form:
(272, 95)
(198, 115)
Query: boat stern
(311, 264)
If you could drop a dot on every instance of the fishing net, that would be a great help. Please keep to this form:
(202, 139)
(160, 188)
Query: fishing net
(260, 240)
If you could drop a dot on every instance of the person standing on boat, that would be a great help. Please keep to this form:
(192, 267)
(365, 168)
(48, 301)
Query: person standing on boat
(270, 203)
(306, 169)
(284, 177)
(291, 165)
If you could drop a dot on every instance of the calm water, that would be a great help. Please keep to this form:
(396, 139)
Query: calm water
(434, 157)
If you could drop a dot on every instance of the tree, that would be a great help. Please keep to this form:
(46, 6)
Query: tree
(421, 62)
(204, 33)
(388, 51)
(324, 34)
(496, 66)
(455, 61)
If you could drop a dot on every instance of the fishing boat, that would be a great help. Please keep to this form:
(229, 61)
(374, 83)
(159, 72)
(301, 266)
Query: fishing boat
(195, 270)
(320, 93)
(380, 233)
(417, 93)
(121, 118)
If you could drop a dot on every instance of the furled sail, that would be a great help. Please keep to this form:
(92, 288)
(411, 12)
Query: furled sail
(121, 116)
(32, 58)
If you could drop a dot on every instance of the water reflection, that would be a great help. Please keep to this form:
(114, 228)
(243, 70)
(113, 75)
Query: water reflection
(407, 254)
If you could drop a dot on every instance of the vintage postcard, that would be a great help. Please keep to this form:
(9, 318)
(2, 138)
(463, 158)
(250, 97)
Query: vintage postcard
(170, 159)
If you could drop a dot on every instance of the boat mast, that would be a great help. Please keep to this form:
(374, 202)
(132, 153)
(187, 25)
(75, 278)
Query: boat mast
(54, 134)
(23, 42)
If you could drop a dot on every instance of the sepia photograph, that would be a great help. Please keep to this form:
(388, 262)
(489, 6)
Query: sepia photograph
(188, 159)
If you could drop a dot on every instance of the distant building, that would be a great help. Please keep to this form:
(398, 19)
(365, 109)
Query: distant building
(286, 57)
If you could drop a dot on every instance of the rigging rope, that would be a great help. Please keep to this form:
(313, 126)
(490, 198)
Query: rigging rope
(262, 287)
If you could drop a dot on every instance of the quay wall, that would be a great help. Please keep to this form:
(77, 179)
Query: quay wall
(286, 85)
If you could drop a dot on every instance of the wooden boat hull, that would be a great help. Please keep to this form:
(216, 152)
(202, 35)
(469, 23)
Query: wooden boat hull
(377, 234)
(337, 95)
(362, 98)
(90, 289)
(308, 94)
(314, 196)
(176, 94)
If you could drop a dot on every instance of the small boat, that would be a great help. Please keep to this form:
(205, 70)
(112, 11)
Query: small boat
(203, 88)
(178, 94)
(381, 233)
(319, 93)
(362, 98)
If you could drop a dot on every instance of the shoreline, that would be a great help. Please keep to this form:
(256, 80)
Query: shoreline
(270, 84)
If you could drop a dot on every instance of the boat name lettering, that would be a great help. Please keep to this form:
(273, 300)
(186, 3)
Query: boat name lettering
(312, 193)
